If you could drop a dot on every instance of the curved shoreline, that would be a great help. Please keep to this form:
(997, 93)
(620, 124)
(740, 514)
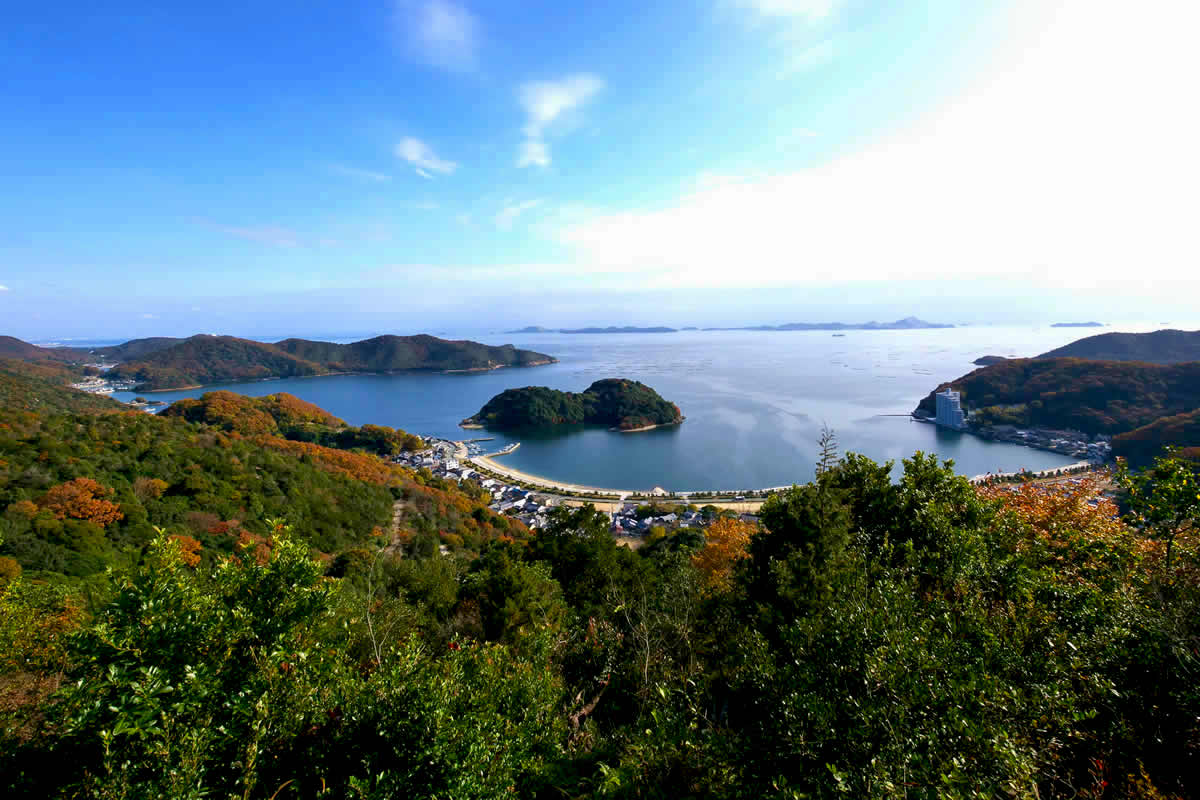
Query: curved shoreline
(613, 496)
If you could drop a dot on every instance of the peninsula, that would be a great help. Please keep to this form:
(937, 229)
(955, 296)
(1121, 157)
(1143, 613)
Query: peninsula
(1156, 347)
(1143, 407)
(203, 360)
(621, 404)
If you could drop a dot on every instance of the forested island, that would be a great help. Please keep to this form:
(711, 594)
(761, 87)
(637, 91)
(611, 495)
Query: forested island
(202, 360)
(620, 403)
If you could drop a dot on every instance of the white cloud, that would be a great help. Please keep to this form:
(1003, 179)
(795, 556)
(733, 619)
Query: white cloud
(818, 55)
(547, 103)
(149, 316)
(359, 174)
(3, 288)
(533, 153)
(1061, 164)
(811, 10)
(440, 33)
(422, 158)
(508, 215)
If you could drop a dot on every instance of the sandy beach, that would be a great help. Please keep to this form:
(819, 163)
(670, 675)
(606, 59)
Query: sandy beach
(559, 487)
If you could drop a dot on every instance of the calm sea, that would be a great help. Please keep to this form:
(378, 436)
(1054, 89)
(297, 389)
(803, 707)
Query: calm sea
(755, 402)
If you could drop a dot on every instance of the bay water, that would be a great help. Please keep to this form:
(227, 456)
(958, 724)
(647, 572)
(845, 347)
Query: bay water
(755, 402)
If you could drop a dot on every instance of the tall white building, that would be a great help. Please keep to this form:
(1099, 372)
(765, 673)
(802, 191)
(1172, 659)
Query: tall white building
(949, 409)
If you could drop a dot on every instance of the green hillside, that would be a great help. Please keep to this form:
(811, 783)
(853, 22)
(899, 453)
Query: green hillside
(203, 360)
(288, 416)
(395, 353)
(1090, 396)
(40, 386)
(616, 402)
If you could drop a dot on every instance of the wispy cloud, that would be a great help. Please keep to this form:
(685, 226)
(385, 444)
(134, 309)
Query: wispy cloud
(508, 215)
(546, 103)
(263, 234)
(149, 316)
(811, 10)
(359, 174)
(440, 33)
(818, 55)
(3, 288)
(422, 158)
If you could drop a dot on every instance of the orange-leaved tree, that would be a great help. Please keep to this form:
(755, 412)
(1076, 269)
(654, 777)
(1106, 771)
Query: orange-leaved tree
(726, 541)
(81, 498)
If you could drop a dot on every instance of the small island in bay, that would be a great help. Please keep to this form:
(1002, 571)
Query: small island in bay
(987, 361)
(1078, 325)
(622, 404)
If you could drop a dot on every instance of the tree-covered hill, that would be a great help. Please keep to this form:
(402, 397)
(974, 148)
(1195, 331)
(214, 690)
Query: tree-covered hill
(1090, 396)
(1155, 347)
(290, 417)
(135, 348)
(78, 493)
(40, 386)
(616, 402)
(202, 360)
(1142, 445)
(396, 353)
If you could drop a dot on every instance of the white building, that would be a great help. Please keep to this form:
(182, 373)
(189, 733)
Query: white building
(949, 409)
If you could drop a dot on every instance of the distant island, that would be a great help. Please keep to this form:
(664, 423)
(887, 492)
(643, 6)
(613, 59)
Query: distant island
(987, 361)
(202, 360)
(1156, 347)
(625, 329)
(1078, 325)
(906, 324)
(609, 329)
(619, 403)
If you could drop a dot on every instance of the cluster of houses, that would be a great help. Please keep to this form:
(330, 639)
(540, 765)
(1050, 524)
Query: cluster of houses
(1068, 443)
(533, 508)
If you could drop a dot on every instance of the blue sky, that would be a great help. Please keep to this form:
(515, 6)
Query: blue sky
(261, 167)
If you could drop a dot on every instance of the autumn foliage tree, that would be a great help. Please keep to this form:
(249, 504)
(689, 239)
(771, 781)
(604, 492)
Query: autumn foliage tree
(726, 542)
(81, 498)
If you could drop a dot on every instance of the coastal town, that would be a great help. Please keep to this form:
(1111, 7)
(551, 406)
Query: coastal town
(630, 515)
(950, 413)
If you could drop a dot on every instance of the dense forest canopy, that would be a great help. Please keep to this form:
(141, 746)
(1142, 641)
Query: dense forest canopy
(868, 638)
(1156, 347)
(202, 360)
(40, 386)
(1069, 393)
(616, 402)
